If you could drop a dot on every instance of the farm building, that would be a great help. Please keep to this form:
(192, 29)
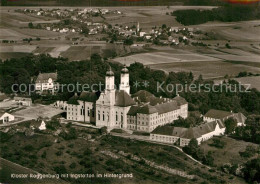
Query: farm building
(182, 136)
(213, 115)
(6, 117)
(46, 82)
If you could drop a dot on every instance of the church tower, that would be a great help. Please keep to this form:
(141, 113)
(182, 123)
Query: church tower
(124, 81)
(110, 80)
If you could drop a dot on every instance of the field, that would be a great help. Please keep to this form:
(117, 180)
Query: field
(230, 153)
(253, 81)
(36, 111)
(213, 61)
(148, 17)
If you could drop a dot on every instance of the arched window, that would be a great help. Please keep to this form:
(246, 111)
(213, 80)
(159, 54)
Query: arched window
(122, 118)
(98, 115)
(116, 116)
(88, 112)
(103, 116)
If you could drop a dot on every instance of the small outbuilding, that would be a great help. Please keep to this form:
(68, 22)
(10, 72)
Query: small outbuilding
(6, 117)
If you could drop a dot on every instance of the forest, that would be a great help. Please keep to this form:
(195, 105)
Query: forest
(225, 13)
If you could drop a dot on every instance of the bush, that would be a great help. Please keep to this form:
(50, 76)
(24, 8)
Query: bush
(59, 153)
(217, 143)
(249, 152)
(72, 134)
(60, 169)
(28, 148)
(53, 124)
(87, 152)
(44, 154)
(73, 165)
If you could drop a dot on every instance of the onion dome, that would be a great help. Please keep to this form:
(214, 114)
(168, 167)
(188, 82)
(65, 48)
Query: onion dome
(124, 70)
(110, 72)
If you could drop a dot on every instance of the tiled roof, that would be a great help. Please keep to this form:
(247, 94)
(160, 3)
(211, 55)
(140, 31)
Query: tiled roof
(44, 77)
(187, 133)
(89, 96)
(133, 110)
(240, 117)
(190, 133)
(143, 96)
(160, 105)
(166, 107)
(123, 99)
(73, 100)
(169, 130)
(180, 100)
(217, 114)
(147, 109)
(220, 123)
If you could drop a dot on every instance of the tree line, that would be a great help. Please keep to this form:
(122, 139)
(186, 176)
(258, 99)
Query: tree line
(226, 13)
(25, 70)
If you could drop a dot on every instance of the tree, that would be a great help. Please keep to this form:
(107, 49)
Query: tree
(164, 26)
(217, 143)
(103, 130)
(230, 124)
(252, 170)
(85, 30)
(129, 41)
(208, 159)
(249, 152)
(228, 46)
(54, 124)
(30, 25)
(192, 147)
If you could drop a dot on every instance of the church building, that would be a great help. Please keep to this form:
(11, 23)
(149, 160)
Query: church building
(114, 108)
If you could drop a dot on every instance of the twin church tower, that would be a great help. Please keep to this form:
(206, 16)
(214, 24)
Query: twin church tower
(124, 81)
(112, 105)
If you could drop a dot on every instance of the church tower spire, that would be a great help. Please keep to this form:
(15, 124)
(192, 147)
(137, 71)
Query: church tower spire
(110, 80)
(124, 81)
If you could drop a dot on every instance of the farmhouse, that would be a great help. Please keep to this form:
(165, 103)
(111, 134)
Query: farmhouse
(213, 115)
(118, 109)
(46, 82)
(6, 117)
(182, 136)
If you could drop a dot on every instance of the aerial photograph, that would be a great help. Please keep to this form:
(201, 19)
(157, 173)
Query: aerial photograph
(129, 91)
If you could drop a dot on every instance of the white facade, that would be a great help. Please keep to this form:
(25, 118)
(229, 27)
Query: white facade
(49, 85)
(110, 108)
(148, 122)
(46, 82)
(6, 117)
(184, 135)
(124, 83)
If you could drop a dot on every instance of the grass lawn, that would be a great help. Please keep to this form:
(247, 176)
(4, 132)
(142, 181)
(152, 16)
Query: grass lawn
(230, 153)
